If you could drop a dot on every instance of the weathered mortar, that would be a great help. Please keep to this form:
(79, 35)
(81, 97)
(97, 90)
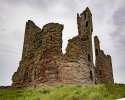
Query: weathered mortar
(24, 74)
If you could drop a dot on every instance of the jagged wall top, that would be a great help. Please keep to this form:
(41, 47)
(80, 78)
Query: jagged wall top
(103, 64)
(84, 21)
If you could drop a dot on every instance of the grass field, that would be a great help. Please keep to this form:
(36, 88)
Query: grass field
(66, 92)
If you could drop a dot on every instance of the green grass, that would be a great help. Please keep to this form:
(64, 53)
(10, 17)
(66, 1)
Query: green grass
(66, 92)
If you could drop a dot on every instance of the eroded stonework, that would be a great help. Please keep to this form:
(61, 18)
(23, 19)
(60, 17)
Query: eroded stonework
(103, 65)
(44, 63)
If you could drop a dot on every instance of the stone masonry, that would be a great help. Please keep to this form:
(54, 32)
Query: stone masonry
(103, 65)
(44, 63)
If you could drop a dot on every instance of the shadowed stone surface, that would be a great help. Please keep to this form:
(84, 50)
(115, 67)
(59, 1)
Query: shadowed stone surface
(44, 63)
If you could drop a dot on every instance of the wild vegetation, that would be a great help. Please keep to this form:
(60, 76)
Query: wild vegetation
(65, 92)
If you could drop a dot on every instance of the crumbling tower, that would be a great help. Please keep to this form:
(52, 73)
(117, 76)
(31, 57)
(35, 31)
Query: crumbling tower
(78, 66)
(32, 32)
(41, 49)
(24, 74)
(103, 65)
(85, 29)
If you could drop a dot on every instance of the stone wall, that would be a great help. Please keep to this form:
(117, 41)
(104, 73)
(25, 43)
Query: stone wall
(47, 69)
(80, 71)
(103, 63)
(76, 67)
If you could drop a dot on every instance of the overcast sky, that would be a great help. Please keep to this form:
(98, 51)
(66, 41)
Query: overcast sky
(108, 25)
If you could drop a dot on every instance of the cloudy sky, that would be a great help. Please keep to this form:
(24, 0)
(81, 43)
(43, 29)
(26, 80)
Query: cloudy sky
(108, 23)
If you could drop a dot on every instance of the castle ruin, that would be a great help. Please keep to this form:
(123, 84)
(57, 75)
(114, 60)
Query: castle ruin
(44, 63)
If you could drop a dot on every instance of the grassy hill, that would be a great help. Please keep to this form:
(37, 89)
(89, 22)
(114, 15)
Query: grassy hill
(66, 92)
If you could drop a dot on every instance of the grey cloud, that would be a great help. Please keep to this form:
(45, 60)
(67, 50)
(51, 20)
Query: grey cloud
(118, 41)
(42, 4)
(119, 22)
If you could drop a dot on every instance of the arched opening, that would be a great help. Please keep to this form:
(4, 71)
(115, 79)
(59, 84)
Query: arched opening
(96, 51)
(91, 75)
(86, 24)
(89, 58)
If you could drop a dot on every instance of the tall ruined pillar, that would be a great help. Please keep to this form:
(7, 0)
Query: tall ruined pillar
(24, 74)
(29, 46)
(110, 70)
(103, 64)
(85, 29)
(97, 50)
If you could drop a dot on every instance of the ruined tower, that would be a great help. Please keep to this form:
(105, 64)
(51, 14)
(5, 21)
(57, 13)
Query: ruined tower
(40, 50)
(24, 74)
(85, 29)
(103, 65)
(78, 60)
(44, 63)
